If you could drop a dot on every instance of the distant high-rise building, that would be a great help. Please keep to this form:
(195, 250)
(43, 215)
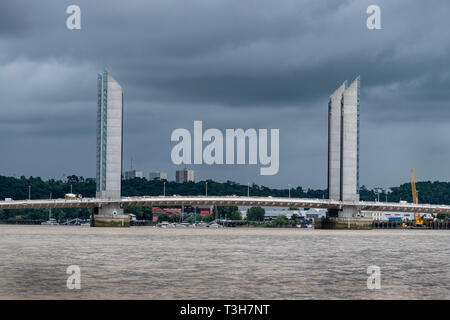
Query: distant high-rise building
(133, 174)
(184, 175)
(157, 175)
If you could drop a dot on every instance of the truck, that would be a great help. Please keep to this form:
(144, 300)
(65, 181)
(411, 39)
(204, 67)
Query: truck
(72, 196)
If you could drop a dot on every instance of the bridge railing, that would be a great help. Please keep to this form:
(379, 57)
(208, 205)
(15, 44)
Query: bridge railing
(224, 201)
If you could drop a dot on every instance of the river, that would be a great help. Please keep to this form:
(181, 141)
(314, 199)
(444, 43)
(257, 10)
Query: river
(230, 263)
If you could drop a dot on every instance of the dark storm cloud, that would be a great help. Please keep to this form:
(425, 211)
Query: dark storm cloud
(14, 18)
(259, 64)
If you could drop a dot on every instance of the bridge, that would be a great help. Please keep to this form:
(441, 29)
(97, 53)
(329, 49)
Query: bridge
(343, 168)
(224, 201)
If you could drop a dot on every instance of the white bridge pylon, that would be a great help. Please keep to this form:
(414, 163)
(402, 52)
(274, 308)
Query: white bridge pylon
(225, 201)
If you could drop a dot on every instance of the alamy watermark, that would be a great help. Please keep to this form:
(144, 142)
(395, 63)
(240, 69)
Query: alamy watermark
(213, 153)
(374, 20)
(74, 20)
(74, 280)
(374, 279)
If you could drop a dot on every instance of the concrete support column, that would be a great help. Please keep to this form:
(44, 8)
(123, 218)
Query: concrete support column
(110, 215)
(348, 213)
(343, 148)
(334, 143)
(109, 152)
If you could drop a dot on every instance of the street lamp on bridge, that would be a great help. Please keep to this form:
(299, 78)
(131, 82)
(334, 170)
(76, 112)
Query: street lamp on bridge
(378, 191)
(387, 192)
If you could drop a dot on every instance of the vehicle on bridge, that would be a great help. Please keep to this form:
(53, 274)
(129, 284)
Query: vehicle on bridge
(72, 196)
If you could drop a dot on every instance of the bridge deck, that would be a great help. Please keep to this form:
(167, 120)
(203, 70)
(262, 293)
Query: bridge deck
(225, 201)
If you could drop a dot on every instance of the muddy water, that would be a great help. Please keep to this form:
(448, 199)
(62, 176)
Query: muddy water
(232, 263)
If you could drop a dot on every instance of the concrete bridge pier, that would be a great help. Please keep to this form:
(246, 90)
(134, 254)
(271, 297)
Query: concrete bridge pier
(343, 212)
(343, 218)
(333, 213)
(348, 213)
(109, 215)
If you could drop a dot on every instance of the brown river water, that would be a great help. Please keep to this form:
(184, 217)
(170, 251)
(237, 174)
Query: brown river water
(230, 263)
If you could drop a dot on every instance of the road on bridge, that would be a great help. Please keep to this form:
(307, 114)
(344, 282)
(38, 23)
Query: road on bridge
(225, 201)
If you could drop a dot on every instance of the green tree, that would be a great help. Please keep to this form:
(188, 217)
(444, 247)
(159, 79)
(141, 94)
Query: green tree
(163, 217)
(193, 217)
(281, 220)
(227, 212)
(208, 218)
(17, 188)
(236, 215)
(256, 214)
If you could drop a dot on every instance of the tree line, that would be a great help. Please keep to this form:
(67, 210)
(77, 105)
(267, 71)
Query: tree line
(21, 188)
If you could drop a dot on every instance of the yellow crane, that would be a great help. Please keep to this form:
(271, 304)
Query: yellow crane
(418, 219)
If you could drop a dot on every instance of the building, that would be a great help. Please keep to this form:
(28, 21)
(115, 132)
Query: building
(373, 215)
(157, 211)
(402, 215)
(133, 174)
(314, 213)
(273, 213)
(184, 175)
(343, 146)
(157, 175)
(203, 211)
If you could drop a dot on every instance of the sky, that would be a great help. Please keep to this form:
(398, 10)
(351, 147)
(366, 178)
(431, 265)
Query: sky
(269, 64)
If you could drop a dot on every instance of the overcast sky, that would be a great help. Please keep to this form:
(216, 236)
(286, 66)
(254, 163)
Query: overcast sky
(231, 64)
